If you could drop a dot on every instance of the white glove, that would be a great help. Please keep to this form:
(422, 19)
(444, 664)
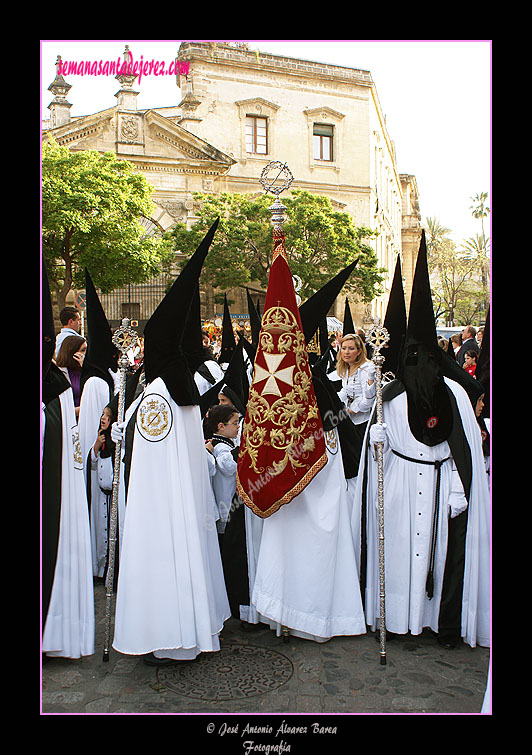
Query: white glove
(457, 500)
(377, 433)
(117, 432)
(116, 379)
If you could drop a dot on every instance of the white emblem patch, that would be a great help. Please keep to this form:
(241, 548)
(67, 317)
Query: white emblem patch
(154, 418)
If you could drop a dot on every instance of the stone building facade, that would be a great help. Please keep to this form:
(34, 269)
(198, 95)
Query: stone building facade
(241, 109)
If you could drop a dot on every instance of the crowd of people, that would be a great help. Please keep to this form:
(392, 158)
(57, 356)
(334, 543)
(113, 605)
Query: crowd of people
(190, 554)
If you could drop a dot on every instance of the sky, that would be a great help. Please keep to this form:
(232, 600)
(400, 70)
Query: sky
(435, 95)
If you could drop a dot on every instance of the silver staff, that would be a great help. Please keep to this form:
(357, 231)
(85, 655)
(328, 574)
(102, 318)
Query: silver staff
(378, 337)
(123, 338)
(280, 182)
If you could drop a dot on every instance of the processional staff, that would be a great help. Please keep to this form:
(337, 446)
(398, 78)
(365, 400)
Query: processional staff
(378, 337)
(276, 185)
(123, 338)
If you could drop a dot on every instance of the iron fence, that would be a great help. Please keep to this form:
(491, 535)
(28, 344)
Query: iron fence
(136, 301)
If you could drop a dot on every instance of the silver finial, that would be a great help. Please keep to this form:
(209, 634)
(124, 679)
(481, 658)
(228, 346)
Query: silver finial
(275, 178)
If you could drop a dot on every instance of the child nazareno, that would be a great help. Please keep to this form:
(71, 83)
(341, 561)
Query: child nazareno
(222, 427)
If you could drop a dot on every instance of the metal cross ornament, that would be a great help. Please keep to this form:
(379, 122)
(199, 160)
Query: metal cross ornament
(124, 338)
(269, 183)
(272, 173)
(378, 336)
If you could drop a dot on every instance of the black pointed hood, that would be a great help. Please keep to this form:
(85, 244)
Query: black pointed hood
(254, 320)
(164, 331)
(102, 354)
(228, 336)
(234, 384)
(430, 416)
(421, 322)
(314, 310)
(323, 336)
(395, 322)
(349, 326)
(195, 352)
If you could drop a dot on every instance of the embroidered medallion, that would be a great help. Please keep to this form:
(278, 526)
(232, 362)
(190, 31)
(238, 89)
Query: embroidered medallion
(331, 440)
(432, 422)
(154, 418)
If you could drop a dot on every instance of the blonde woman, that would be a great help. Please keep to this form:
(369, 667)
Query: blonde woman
(355, 382)
(357, 374)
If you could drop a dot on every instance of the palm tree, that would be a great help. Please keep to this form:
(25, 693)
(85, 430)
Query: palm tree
(479, 209)
(477, 248)
(437, 237)
(436, 232)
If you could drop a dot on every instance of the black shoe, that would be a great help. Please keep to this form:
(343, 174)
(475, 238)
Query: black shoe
(447, 642)
(151, 660)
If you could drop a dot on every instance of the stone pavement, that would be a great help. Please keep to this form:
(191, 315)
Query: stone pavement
(257, 673)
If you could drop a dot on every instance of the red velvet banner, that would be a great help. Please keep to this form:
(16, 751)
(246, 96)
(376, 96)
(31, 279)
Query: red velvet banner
(283, 445)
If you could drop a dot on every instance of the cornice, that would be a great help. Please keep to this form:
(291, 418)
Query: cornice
(222, 54)
(80, 128)
(174, 134)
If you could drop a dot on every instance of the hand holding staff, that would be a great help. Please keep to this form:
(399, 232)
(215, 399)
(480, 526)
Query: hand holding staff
(377, 337)
(123, 338)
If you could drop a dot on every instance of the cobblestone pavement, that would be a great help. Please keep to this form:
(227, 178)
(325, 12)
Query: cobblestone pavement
(257, 673)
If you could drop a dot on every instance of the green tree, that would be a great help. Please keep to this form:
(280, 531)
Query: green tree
(92, 206)
(319, 242)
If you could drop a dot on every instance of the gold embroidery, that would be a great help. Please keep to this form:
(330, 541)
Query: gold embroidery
(154, 418)
(76, 446)
(331, 440)
(293, 415)
(313, 346)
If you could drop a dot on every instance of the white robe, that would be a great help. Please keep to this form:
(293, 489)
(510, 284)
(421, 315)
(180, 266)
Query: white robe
(69, 626)
(171, 597)
(408, 504)
(94, 398)
(101, 476)
(253, 525)
(306, 574)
